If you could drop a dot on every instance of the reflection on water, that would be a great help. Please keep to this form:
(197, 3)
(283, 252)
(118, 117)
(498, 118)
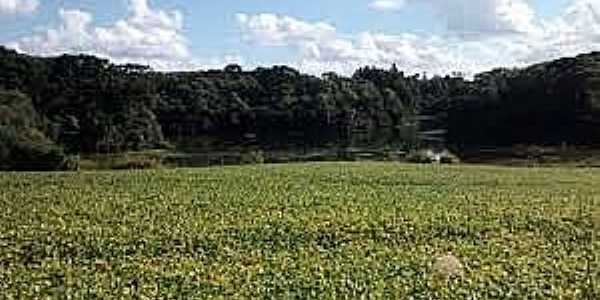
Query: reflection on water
(386, 144)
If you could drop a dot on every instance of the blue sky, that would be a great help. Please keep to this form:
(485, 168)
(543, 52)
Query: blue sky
(435, 36)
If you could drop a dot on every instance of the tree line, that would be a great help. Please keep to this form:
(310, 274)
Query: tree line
(56, 107)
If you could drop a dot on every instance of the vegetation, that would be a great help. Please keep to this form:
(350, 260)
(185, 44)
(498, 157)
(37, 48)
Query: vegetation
(123, 161)
(22, 145)
(320, 231)
(78, 105)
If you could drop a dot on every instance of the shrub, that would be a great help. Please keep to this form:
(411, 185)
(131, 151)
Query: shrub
(123, 161)
(253, 157)
(71, 163)
(28, 149)
(139, 163)
(136, 161)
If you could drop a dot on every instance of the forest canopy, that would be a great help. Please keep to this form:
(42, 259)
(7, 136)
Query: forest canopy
(54, 107)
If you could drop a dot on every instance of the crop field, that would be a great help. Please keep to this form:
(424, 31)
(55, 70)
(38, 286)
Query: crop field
(302, 231)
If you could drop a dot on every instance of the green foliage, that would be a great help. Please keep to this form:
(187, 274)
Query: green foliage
(139, 162)
(124, 161)
(87, 105)
(318, 231)
(16, 110)
(253, 157)
(29, 151)
(72, 163)
(23, 147)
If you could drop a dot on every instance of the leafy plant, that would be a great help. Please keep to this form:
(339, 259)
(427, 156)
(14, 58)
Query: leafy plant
(309, 231)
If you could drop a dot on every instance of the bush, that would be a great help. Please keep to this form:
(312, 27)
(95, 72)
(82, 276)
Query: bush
(23, 147)
(253, 157)
(37, 157)
(138, 163)
(29, 150)
(71, 163)
(125, 161)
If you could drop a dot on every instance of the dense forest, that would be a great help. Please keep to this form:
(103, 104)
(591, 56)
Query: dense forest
(52, 109)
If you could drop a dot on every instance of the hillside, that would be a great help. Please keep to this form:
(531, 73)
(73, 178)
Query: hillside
(548, 103)
(83, 104)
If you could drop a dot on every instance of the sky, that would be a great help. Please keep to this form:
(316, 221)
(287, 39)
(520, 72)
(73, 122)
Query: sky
(315, 36)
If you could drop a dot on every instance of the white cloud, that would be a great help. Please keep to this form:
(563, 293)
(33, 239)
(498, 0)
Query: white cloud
(480, 35)
(574, 32)
(515, 37)
(387, 5)
(146, 36)
(274, 30)
(486, 16)
(334, 50)
(11, 7)
(472, 16)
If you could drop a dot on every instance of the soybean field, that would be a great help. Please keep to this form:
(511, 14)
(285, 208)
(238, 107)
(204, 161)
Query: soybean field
(302, 231)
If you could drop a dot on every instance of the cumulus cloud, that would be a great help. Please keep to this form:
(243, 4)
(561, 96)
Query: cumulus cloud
(11, 7)
(485, 16)
(334, 50)
(387, 5)
(480, 35)
(576, 31)
(274, 30)
(472, 17)
(514, 38)
(146, 35)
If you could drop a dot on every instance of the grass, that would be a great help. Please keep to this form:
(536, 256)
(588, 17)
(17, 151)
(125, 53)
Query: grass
(143, 160)
(320, 231)
(549, 156)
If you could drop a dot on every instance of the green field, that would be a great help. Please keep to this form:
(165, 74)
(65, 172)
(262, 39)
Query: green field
(320, 231)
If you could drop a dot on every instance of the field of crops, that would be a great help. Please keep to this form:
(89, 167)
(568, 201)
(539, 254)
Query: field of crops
(319, 231)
